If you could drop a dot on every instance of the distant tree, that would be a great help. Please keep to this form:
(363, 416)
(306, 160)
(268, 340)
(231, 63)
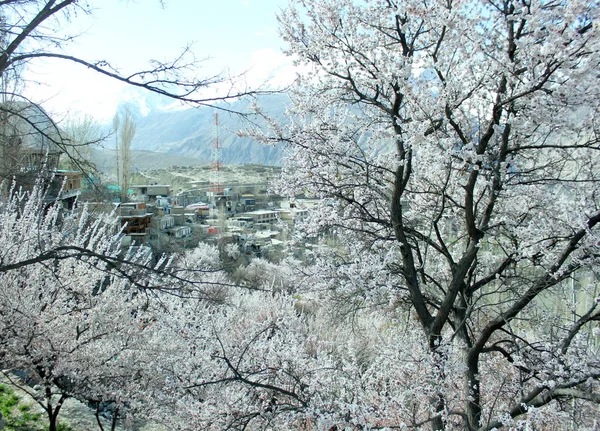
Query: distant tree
(28, 149)
(116, 123)
(455, 148)
(83, 132)
(127, 133)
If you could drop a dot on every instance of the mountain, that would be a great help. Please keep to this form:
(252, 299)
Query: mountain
(189, 132)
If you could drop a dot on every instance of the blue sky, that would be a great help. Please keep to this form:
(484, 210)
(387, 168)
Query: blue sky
(233, 35)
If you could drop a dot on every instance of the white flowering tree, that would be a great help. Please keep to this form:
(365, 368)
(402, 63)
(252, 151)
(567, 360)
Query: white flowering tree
(454, 147)
(81, 317)
(72, 305)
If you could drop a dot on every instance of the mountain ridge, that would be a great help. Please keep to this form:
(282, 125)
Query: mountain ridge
(189, 132)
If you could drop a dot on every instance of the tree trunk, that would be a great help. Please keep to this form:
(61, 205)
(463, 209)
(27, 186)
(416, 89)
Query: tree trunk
(52, 422)
(438, 400)
(53, 411)
(438, 423)
(473, 389)
(115, 415)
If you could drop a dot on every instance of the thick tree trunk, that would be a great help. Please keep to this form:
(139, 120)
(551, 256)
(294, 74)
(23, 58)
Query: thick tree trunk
(438, 401)
(52, 411)
(473, 389)
(52, 420)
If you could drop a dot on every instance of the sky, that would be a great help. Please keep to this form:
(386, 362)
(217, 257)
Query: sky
(232, 35)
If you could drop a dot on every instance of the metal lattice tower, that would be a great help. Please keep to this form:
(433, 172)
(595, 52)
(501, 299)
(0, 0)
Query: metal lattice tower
(216, 164)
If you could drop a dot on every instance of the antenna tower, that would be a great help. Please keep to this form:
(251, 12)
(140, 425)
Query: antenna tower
(216, 164)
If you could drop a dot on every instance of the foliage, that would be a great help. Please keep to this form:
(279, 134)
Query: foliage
(82, 318)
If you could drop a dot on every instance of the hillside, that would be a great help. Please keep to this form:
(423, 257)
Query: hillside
(105, 160)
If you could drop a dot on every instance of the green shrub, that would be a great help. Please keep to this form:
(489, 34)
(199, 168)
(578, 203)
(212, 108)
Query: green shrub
(17, 414)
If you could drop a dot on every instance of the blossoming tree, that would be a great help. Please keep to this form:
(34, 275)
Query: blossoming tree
(71, 306)
(454, 146)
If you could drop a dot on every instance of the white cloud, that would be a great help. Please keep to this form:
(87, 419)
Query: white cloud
(70, 89)
(272, 67)
(66, 89)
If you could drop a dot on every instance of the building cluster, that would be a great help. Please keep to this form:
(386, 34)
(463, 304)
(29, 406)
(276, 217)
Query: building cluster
(154, 216)
(159, 218)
